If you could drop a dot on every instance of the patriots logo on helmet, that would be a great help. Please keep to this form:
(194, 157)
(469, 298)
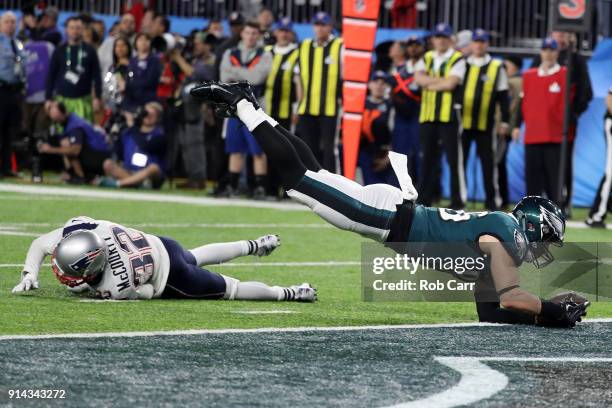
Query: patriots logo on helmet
(83, 263)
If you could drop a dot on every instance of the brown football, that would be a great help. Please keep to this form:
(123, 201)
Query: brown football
(568, 297)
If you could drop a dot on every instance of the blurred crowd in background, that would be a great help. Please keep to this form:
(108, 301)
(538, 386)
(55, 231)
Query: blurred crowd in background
(110, 106)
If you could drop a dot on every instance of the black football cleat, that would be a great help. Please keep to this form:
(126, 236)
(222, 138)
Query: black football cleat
(247, 91)
(225, 95)
(218, 93)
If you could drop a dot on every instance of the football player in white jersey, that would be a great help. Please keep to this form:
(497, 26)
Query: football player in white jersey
(119, 262)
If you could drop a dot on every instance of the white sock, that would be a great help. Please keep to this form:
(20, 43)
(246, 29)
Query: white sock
(248, 115)
(269, 119)
(220, 252)
(259, 291)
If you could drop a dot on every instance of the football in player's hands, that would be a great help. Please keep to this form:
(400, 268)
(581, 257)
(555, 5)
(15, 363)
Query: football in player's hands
(569, 297)
(266, 244)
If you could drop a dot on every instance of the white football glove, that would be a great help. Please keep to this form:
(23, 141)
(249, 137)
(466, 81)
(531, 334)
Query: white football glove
(27, 283)
(264, 246)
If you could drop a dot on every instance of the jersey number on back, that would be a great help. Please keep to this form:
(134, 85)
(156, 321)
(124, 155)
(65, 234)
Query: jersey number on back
(139, 251)
(458, 215)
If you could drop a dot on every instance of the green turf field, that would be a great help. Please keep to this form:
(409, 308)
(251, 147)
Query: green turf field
(271, 354)
(53, 310)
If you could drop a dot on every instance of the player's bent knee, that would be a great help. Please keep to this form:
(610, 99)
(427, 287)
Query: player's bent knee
(153, 170)
(231, 287)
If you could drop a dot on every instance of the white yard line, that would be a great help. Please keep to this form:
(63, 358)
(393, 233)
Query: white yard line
(326, 264)
(260, 330)
(479, 381)
(579, 225)
(23, 225)
(149, 196)
(255, 312)
(18, 233)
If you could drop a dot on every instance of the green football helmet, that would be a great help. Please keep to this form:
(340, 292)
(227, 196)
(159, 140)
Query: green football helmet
(544, 224)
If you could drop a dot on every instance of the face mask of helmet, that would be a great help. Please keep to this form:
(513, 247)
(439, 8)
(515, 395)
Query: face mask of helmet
(538, 252)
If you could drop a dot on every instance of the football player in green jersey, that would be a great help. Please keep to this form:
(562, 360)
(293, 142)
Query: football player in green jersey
(390, 215)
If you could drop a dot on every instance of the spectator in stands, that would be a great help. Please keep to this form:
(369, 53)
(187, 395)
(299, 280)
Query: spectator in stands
(513, 66)
(159, 27)
(171, 75)
(147, 21)
(84, 147)
(463, 41)
(191, 129)
(12, 75)
(415, 48)
(397, 54)
(236, 24)
(142, 151)
(583, 95)
(99, 28)
(406, 100)
(91, 37)
(543, 97)
(320, 105)
(35, 120)
(215, 27)
(404, 13)
(74, 72)
(603, 202)
(247, 61)
(265, 18)
(376, 132)
(115, 79)
(143, 76)
(46, 27)
(125, 28)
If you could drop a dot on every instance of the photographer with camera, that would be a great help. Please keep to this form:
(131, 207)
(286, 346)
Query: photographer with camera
(84, 147)
(194, 115)
(142, 147)
(12, 74)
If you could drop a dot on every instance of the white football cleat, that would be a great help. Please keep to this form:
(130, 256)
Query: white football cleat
(304, 293)
(266, 244)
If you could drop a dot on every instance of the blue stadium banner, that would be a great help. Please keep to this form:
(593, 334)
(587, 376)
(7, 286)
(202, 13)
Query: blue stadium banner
(571, 15)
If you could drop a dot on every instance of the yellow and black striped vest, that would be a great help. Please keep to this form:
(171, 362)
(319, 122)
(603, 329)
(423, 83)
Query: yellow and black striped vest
(438, 106)
(320, 72)
(479, 90)
(280, 88)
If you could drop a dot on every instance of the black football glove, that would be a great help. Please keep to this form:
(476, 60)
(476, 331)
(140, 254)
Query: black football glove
(570, 313)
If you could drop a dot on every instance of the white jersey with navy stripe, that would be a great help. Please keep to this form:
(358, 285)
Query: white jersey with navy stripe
(133, 257)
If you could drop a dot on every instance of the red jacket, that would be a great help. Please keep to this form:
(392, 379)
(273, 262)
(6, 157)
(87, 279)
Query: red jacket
(543, 106)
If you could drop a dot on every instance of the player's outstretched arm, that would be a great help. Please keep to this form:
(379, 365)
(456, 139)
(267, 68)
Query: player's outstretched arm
(39, 249)
(226, 251)
(506, 280)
